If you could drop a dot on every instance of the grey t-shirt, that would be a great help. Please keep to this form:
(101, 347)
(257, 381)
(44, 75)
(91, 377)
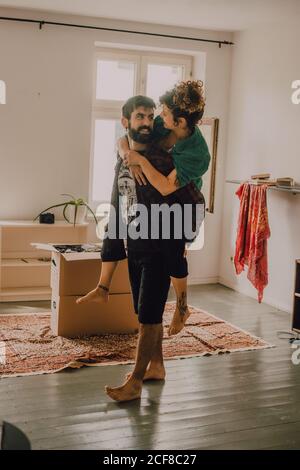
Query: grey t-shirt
(127, 194)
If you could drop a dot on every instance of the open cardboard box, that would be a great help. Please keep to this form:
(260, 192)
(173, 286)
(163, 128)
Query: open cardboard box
(74, 274)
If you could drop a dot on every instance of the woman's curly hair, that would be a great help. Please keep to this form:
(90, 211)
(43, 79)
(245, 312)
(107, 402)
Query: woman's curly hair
(186, 100)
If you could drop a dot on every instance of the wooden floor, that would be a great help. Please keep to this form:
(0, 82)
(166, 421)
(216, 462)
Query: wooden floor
(242, 400)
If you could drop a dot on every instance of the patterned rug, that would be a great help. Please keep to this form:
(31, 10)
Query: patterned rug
(27, 346)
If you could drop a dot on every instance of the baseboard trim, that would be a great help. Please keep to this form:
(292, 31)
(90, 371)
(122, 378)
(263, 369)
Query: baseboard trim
(202, 280)
(234, 286)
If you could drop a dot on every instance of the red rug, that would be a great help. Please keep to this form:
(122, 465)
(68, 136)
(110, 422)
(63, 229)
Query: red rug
(27, 346)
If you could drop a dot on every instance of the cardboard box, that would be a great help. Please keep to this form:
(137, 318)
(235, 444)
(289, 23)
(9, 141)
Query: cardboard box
(74, 274)
(71, 320)
(79, 276)
(77, 273)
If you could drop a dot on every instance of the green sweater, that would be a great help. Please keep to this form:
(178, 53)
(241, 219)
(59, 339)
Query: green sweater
(190, 155)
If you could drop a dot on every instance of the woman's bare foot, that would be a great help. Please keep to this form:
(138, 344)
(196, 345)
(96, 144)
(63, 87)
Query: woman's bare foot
(154, 372)
(130, 390)
(96, 295)
(178, 321)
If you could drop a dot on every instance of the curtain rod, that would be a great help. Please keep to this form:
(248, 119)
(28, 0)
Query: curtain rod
(41, 23)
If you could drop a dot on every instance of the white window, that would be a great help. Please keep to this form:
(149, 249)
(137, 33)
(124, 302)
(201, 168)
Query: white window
(118, 75)
(115, 79)
(161, 73)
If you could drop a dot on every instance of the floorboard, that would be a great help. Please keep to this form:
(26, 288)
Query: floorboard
(242, 400)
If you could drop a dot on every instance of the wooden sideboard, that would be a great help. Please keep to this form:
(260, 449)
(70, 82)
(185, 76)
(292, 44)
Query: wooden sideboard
(24, 270)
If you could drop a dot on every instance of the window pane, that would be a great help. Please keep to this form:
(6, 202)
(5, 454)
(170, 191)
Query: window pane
(107, 131)
(161, 78)
(115, 80)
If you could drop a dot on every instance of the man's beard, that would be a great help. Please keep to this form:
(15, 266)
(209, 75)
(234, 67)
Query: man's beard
(139, 137)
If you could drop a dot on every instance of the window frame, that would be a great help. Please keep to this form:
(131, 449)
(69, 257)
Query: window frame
(100, 104)
(157, 59)
(111, 109)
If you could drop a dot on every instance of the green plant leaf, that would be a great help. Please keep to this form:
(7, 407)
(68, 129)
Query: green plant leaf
(48, 208)
(88, 207)
(75, 215)
(64, 214)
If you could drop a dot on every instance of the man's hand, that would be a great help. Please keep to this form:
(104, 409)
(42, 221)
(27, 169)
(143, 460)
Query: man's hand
(138, 175)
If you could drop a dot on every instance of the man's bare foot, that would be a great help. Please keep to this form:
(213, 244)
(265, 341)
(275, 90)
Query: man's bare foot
(130, 390)
(178, 321)
(96, 295)
(154, 372)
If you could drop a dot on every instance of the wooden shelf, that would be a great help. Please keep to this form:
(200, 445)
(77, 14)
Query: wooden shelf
(16, 237)
(25, 293)
(30, 223)
(13, 263)
(295, 190)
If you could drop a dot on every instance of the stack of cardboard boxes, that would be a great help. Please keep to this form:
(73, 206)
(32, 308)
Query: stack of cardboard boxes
(74, 274)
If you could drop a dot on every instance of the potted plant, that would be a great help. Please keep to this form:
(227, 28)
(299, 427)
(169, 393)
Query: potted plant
(74, 209)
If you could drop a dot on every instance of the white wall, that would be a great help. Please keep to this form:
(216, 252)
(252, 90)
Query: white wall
(264, 137)
(45, 125)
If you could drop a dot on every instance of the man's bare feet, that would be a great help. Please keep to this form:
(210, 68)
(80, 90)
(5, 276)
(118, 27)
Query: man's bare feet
(154, 372)
(130, 390)
(178, 321)
(96, 295)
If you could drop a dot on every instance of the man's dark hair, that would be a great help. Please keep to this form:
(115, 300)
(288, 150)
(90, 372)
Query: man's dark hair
(134, 103)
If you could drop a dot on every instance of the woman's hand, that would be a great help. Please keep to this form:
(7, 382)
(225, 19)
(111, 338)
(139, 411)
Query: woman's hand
(132, 158)
(138, 175)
